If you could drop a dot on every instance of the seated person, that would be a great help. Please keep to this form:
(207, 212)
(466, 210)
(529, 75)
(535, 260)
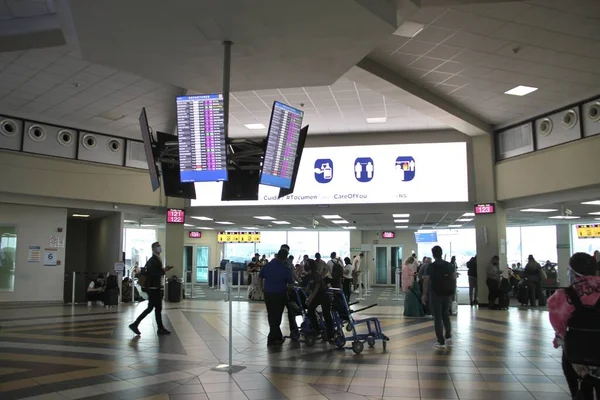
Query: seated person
(95, 290)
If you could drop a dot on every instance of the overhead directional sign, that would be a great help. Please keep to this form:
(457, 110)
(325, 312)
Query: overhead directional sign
(588, 231)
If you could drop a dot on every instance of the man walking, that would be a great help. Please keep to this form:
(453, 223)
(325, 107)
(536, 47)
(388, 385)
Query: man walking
(151, 281)
(473, 286)
(442, 276)
(276, 275)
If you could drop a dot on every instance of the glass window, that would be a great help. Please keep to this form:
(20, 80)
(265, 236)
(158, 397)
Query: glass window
(239, 252)
(138, 245)
(338, 241)
(514, 254)
(202, 257)
(8, 250)
(302, 243)
(270, 243)
(584, 245)
(539, 241)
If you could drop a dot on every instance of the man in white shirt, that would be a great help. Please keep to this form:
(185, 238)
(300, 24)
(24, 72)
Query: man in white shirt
(357, 272)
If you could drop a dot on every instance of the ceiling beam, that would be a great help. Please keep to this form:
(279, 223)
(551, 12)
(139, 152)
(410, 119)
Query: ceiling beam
(378, 77)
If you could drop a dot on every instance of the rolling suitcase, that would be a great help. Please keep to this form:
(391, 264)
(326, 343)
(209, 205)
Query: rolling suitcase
(523, 293)
(111, 297)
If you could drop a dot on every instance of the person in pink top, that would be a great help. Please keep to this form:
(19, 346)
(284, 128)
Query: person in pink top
(582, 277)
(408, 273)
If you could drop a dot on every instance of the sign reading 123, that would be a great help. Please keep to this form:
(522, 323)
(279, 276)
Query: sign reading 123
(175, 216)
(488, 208)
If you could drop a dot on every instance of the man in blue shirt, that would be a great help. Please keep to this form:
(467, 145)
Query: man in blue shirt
(276, 276)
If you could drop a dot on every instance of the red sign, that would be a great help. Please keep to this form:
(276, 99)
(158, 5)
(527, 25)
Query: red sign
(388, 235)
(195, 234)
(175, 216)
(489, 208)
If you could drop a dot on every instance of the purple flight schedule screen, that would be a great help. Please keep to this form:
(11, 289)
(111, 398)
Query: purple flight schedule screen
(282, 145)
(201, 136)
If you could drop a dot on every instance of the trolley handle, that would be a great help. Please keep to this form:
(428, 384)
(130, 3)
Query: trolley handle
(353, 303)
(364, 308)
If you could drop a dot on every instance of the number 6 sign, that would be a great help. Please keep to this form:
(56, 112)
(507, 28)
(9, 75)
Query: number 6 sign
(50, 257)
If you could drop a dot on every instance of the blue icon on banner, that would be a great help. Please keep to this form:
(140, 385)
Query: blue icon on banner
(323, 170)
(364, 169)
(406, 168)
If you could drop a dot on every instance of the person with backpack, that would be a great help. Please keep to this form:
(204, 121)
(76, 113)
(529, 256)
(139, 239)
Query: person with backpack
(575, 316)
(150, 279)
(534, 274)
(336, 270)
(440, 277)
(473, 286)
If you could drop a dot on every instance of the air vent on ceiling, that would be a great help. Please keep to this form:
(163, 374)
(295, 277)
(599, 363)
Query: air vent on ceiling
(8, 127)
(114, 146)
(593, 112)
(569, 119)
(36, 133)
(545, 127)
(89, 141)
(65, 137)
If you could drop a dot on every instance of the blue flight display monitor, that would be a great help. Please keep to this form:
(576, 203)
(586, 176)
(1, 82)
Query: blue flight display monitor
(282, 146)
(426, 237)
(201, 137)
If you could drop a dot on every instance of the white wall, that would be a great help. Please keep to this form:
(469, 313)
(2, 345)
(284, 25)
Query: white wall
(35, 225)
(209, 238)
(404, 238)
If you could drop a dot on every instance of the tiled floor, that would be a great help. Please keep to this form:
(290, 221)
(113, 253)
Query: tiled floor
(59, 353)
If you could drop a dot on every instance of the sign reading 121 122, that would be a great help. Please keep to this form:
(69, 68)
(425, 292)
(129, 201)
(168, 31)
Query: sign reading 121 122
(175, 216)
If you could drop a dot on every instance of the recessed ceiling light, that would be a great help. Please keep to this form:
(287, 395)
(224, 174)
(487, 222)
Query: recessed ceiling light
(409, 29)
(540, 210)
(454, 226)
(596, 219)
(564, 217)
(281, 223)
(129, 221)
(464, 220)
(349, 227)
(265, 218)
(147, 225)
(401, 215)
(205, 228)
(468, 215)
(377, 120)
(400, 221)
(339, 221)
(203, 218)
(253, 127)
(332, 217)
(81, 215)
(188, 225)
(594, 213)
(521, 90)
(250, 227)
(592, 203)
(298, 227)
(402, 227)
(224, 223)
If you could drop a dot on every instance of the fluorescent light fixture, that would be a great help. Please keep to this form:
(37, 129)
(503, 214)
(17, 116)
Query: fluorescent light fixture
(539, 210)
(332, 217)
(298, 227)
(521, 90)
(468, 215)
(402, 227)
(349, 227)
(188, 225)
(81, 215)
(464, 220)
(409, 29)
(265, 218)
(147, 225)
(564, 217)
(592, 203)
(454, 226)
(250, 227)
(594, 213)
(130, 221)
(253, 127)
(205, 228)
(203, 218)
(377, 120)
(597, 219)
(401, 221)
(339, 221)
(401, 215)
(224, 223)
(281, 222)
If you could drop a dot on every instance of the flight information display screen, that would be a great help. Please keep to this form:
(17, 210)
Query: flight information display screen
(282, 145)
(201, 136)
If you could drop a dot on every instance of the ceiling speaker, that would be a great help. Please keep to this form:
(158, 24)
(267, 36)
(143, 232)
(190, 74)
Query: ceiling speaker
(545, 126)
(89, 141)
(8, 127)
(36, 133)
(114, 146)
(593, 111)
(569, 119)
(65, 137)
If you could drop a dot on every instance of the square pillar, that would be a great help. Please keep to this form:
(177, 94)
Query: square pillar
(491, 241)
(564, 246)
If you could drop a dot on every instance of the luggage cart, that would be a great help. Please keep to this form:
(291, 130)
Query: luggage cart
(304, 333)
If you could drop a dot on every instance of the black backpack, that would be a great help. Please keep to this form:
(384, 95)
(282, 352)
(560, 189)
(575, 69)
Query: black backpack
(443, 278)
(582, 341)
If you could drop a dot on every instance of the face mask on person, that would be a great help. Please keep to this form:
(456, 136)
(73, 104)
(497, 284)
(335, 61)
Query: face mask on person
(158, 250)
(572, 275)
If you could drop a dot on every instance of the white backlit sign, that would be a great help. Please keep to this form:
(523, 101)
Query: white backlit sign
(401, 173)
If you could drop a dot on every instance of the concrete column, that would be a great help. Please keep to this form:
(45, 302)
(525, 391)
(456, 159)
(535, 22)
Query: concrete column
(490, 229)
(564, 245)
(174, 242)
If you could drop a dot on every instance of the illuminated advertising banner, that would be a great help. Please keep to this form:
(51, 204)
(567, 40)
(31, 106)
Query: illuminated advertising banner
(401, 173)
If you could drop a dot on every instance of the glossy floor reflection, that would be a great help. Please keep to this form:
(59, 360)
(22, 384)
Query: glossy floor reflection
(55, 352)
